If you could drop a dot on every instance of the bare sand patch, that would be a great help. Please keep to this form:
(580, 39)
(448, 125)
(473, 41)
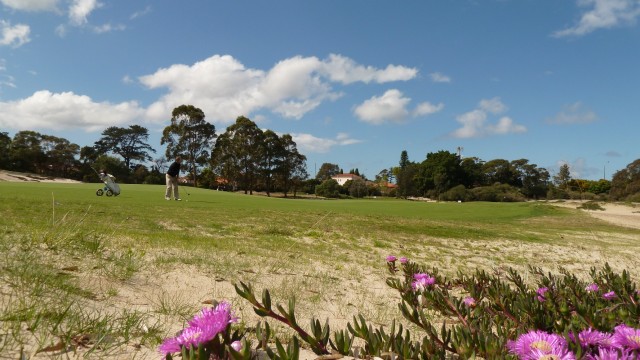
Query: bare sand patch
(627, 215)
(18, 176)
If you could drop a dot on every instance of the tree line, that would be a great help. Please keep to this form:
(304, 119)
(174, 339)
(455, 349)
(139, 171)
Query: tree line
(247, 158)
(244, 157)
(447, 176)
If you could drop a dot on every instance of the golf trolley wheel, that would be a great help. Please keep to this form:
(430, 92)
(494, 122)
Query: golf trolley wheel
(99, 192)
(109, 193)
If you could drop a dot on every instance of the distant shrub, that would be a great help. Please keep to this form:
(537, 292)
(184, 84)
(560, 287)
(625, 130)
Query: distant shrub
(328, 188)
(458, 193)
(591, 205)
(497, 193)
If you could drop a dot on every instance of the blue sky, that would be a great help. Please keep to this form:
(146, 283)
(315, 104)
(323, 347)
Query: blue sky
(355, 82)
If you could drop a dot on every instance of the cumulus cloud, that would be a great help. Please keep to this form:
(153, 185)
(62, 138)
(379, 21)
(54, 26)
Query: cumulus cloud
(224, 88)
(81, 9)
(140, 13)
(220, 85)
(439, 77)
(65, 110)
(344, 70)
(575, 113)
(602, 14)
(474, 123)
(31, 5)
(311, 144)
(392, 107)
(15, 36)
(427, 108)
(105, 28)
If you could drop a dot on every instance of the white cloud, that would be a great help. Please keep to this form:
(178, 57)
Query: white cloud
(220, 85)
(574, 113)
(15, 36)
(61, 30)
(392, 106)
(81, 9)
(31, 5)
(140, 13)
(224, 89)
(602, 14)
(65, 110)
(474, 123)
(439, 77)
(427, 108)
(311, 144)
(105, 28)
(494, 105)
(344, 70)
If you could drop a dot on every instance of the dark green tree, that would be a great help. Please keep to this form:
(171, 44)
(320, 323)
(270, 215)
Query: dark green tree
(405, 174)
(190, 137)
(130, 143)
(358, 188)
(60, 155)
(88, 154)
(625, 184)
(239, 154)
(533, 181)
(26, 153)
(472, 174)
(563, 177)
(499, 171)
(273, 153)
(292, 167)
(439, 172)
(328, 188)
(327, 170)
(5, 150)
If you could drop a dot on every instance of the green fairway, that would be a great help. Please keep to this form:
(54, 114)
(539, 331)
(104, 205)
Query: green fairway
(328, 253)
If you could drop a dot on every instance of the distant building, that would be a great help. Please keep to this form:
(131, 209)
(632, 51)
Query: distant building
(343, 178)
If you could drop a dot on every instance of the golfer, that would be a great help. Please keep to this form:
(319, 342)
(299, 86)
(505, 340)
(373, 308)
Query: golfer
(172, 180)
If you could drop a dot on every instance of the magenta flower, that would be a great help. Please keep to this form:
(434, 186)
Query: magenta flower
(592, 288)
(168, 346)
(391, 258)
(202, 328)
(540, 345)
(626, 337)
(404, 260)
(236, 345)
(470, 302)
(422, 281)
(611, 354)
(594, 338)
(609, 296)
(541, 291)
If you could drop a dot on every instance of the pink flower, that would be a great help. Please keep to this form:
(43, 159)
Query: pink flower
(202, 328)
(540, 345)
(609, 296)
(404, 260)
(594, 338)
(541, 291)
(611, 354)
(626, 337)
(592, 287)
(470, 302)
(391, 258)
(422, 281)
(236, 345)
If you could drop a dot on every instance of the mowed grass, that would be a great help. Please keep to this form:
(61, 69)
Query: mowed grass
(84, 254)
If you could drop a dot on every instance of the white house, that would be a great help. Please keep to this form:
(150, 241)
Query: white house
(343, 178)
